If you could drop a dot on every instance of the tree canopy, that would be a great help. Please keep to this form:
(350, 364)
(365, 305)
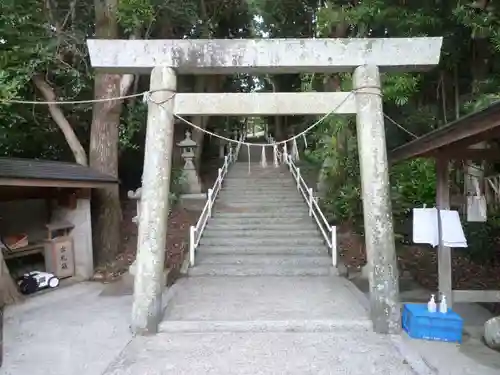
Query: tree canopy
(43, 56)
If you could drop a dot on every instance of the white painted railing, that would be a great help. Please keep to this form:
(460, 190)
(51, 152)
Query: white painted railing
(329, 232)
(196, 231)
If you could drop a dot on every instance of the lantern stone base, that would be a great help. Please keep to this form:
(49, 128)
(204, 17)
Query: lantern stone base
(193, 185)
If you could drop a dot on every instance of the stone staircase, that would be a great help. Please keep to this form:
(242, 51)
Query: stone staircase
(261, 227)
(261, 297)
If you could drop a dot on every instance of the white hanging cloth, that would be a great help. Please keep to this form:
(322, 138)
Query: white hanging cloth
(452, 232)
(425, 227)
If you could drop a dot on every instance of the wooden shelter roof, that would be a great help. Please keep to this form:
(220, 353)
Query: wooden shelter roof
(452, 141)
(47, 173)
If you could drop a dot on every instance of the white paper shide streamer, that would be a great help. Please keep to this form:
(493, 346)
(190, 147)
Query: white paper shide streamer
(295, 150)
(263, 161)
(275, 156)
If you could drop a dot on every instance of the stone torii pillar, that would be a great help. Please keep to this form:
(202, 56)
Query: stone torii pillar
(379, 232)
(364, 57)
(149, 281)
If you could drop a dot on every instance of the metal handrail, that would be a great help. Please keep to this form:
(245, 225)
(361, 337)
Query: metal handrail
(329, 232)
(196, 231)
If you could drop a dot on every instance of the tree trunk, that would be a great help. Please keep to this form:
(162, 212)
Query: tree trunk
(204, 84)
(278, 123)
(61, 121)
(103, 154)
(201, 121)
(9, 294)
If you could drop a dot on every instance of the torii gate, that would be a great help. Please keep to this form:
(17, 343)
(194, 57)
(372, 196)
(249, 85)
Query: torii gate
(164, 59)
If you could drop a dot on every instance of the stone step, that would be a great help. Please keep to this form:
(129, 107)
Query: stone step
(255, 241)
(258, 203)
(232, 233)
(244, 191)
(260, 208)
(265, 270)
(262, 326)
(237, 196)
(257, 180)
(279, 193)
(260, 172)
(263, 196)
(277, 189)
(263, 250)
(245, 214)
(257, 168)
(280, 213)
(260, 182)
(286, 206)
(261, 260)
(265, 299)
(232, 225)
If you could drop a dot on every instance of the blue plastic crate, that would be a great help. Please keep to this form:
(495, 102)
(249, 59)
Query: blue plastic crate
(421, 324)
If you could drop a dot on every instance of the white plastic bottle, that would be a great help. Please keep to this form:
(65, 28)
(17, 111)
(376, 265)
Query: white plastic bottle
(443, 306)
(431, 305)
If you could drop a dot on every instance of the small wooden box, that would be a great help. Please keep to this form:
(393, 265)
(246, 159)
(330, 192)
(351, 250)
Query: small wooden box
(59, 257)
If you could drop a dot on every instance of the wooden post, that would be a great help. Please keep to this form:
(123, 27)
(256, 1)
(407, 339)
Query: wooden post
(444, 252)
(375, 186)
(149, 279)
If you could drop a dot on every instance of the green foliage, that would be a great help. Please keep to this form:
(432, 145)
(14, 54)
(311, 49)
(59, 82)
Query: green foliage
(134, 14)
(343, 202)
(178, 181)
(483, 239)
(132, 122)
(400, 88)
(41, 38)
(414, 185)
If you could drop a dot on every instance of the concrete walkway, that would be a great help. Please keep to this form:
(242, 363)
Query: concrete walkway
(83, 329)
(263, 325)
(73, 330)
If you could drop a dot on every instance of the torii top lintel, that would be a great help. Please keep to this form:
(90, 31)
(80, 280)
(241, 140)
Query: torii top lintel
(261, 56)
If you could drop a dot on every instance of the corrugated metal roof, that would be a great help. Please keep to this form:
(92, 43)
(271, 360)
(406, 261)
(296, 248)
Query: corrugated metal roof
(50, 170)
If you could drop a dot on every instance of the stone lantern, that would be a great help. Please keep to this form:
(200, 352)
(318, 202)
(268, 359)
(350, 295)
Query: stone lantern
(193, 182)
